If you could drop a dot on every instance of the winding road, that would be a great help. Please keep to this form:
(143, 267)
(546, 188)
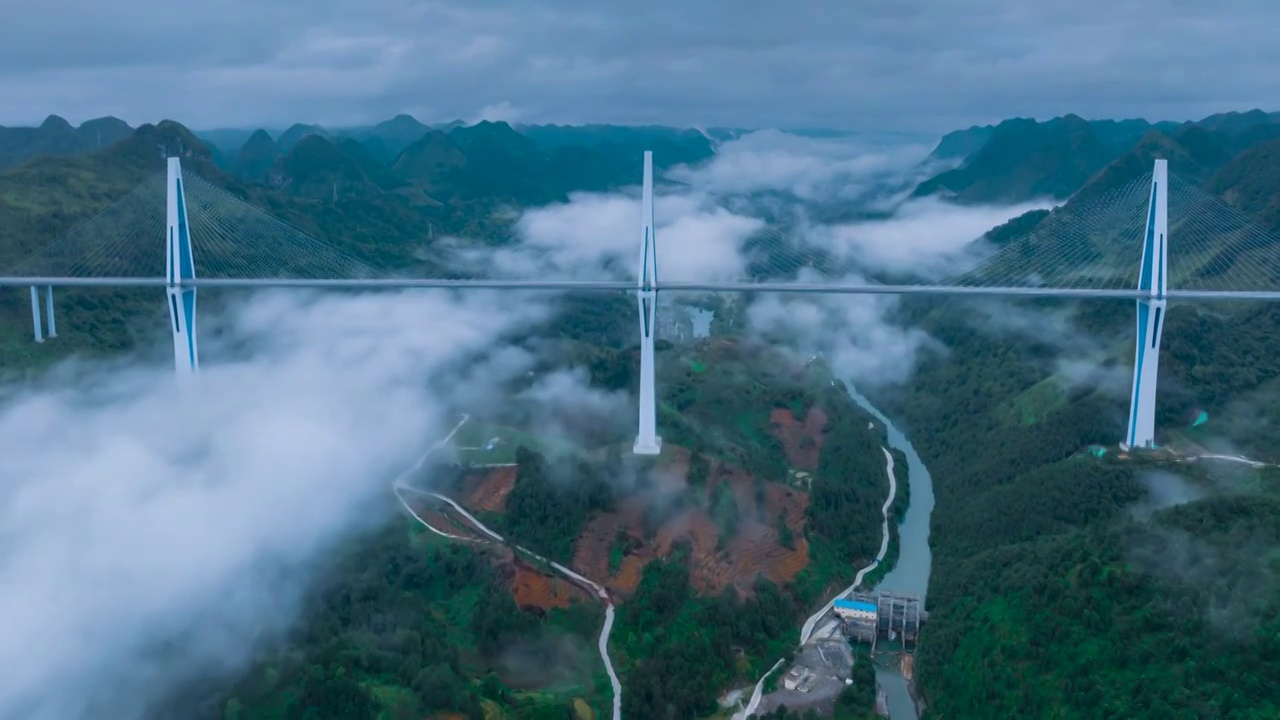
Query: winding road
(1231, 458)
(399, 486)
(806, 631)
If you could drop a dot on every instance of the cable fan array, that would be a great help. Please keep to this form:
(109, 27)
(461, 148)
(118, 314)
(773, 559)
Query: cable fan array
(1092, 242)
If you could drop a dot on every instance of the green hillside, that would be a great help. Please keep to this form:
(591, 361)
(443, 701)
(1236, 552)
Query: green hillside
(55, 136)
(960, 144)
(1022, 159)
(1049, 596)
(1251, 182)
(256, 157)
(462, 182)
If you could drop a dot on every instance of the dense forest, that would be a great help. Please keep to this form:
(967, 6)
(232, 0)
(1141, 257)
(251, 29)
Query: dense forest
(548, 506)
(1048, 561)
(400, 626)
(683, 649)
(1041, 569)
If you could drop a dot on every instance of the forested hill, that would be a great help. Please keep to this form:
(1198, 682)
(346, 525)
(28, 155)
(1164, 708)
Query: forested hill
(451, 181)
(56, 136)
(1021, 159)
(1056, 590)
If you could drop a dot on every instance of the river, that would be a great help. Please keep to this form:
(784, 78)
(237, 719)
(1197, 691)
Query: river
(910, 574)
(915, 560)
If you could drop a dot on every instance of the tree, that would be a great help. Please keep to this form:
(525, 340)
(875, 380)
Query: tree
(785, 537)
(699, 470)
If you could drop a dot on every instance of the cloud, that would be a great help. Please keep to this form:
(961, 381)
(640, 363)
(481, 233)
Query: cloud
(1237, 576)
(1078, 358)
(1164, 490)
(597, 237)
(154, 528)
(927, 237)
(889, 65)
(498, 112)
(854, 333)
(804, 167)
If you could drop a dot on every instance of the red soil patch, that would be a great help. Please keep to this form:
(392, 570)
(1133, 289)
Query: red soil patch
(676, 464)
(801, 440)
(487, 491)
(789, 501)
(443, 518)
(591, 551)
(532, 588)
(628, 577)
(594, 545)
(755, 549)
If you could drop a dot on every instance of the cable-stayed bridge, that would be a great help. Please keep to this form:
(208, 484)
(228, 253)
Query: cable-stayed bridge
(1154, 239)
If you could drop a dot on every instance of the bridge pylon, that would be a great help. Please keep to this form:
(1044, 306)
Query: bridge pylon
(647, 440)
(35, 314)
(180, 266)
(53, 320)
(1153, 280)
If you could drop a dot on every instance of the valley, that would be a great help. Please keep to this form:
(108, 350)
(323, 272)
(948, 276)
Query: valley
(529, 565)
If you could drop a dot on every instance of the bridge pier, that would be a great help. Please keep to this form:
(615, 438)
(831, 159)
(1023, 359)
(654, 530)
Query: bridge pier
(1153, 281)
(35, 314)
(647, 440)
(53, 322)
(179, 267)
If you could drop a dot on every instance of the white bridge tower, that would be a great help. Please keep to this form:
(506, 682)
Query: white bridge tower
(1154, 280)
(647, 440)
(180, 266)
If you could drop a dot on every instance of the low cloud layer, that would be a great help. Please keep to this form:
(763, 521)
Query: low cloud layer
(139, 510)
(926, 238)
(698, 239)
(854, 333)
(715, 208)
(770, 175)
(807, 168)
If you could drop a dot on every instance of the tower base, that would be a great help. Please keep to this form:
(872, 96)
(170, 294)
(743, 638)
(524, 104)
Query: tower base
(647, 448)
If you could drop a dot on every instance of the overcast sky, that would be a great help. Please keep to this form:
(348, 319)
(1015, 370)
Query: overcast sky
(919, 65)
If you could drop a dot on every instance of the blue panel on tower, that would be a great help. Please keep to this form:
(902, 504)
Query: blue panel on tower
(189, 314)
(1148, 245)
(186, 264)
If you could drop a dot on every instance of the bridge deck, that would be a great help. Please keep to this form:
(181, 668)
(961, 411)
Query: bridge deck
(834, 288)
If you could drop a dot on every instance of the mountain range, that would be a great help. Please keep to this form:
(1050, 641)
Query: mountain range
(1021, 159)
(1013, 161)
(1046, 586)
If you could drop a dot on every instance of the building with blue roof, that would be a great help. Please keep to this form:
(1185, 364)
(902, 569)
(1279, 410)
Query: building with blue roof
(855, 609)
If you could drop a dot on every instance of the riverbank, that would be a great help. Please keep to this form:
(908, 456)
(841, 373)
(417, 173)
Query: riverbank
(811, 624)
(910, 573)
